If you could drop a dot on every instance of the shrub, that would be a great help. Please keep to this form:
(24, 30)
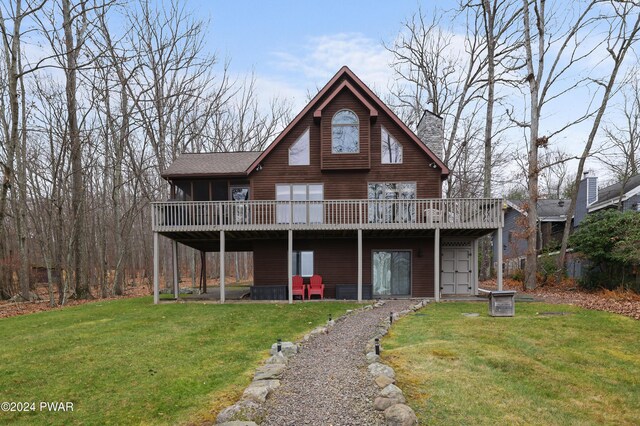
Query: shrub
(518, 275)
(611, 241)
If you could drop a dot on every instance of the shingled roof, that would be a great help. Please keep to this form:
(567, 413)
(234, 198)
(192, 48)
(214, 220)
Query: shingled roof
(210, 164)
(553, 210)
(610, 194)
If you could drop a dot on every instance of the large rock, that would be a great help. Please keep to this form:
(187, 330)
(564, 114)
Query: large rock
(318, 330)
(393, 392)
(384, 381)
(269, 372)
(372, 357)
(278, 358)
(381, 403)
(245, 410)
(378, 369)
(258, 390)
(288, 348)
(400, 415)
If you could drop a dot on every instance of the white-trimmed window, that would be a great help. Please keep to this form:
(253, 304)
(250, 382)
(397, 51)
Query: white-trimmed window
(345, 132)
(302, 263)
(299, 151)
(390, 149)
(389, 202)
(298, 197)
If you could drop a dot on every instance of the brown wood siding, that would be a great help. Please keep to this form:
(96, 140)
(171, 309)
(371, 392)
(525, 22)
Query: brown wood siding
(346, 184)
(336, 261)
(361, 160)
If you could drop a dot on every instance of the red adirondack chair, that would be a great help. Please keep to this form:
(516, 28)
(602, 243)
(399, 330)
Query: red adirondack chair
(316, 287)
(297, 286)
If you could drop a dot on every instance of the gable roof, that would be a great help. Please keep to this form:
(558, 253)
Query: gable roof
(550, 210)
(373, 113)
(610, 195)
(210, 163)
(378, 103)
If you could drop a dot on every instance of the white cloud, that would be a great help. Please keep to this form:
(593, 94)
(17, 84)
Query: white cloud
(321, 57)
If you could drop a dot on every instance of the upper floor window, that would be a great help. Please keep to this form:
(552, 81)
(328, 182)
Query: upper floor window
(345, 132)
(391, 150)
(299, 151)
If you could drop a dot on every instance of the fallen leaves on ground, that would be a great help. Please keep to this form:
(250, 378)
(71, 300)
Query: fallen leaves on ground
(623, 302)
(12, 309)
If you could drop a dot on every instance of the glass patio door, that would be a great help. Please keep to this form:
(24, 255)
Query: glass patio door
(391, 273)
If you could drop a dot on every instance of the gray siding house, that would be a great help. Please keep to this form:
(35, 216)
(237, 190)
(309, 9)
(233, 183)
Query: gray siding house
(552, 215)
(623, 196)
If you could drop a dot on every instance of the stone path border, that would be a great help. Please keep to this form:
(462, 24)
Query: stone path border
(250, 409)
(391, 400)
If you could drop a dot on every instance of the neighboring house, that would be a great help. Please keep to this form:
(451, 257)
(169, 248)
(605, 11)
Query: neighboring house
(552, 215)
(624, 196)
(346, 191)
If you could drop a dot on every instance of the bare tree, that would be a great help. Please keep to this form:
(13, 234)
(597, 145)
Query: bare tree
(15, 135)
(623, 23)
(622, 137)
(553, 48)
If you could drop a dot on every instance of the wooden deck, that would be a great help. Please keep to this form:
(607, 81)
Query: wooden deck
(270, 215)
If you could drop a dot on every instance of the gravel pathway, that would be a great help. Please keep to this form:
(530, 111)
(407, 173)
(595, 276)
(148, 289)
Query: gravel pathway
(327, 383)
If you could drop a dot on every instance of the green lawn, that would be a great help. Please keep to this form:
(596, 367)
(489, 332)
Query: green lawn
(582, 368)
(130, 362)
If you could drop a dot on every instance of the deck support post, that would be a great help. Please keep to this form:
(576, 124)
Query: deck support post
(499, 260)
(436, 265)
(156, 270)
(222, 271)
(174, 261)
(359, 265)
(475, 267)
(290, 266)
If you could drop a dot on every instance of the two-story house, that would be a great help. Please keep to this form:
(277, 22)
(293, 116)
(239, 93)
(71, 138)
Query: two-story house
(347, 191)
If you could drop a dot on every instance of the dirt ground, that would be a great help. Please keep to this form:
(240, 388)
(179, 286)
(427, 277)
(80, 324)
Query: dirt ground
(567, 292)
(11, 309)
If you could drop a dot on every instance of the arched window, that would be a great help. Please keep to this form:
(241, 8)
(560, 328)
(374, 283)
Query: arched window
(345, 133)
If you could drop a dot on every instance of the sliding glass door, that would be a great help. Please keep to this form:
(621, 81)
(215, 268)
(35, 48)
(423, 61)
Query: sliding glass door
(391, 273)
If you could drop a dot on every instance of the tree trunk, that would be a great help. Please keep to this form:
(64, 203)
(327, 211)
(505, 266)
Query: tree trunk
(532, 170)
(77, 182)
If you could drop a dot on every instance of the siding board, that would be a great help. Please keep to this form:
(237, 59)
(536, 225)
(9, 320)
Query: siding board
(336, 261)
(346, 182)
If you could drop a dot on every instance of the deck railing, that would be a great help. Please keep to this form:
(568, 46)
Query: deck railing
(459, 213)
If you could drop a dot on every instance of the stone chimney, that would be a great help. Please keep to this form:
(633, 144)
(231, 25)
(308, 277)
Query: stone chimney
(431, 132)
(587, 195)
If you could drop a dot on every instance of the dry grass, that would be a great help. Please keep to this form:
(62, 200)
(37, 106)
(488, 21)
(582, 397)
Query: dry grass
(579, 368)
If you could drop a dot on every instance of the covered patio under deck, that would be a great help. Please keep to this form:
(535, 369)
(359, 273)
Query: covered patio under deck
(218, 227)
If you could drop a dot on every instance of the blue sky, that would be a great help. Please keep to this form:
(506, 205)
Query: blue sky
(295, 46)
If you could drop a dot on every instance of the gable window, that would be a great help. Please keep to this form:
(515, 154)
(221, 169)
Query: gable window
(389, 202)
(302, 263)
(345, 133)
(391, 150)
(299, 151)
